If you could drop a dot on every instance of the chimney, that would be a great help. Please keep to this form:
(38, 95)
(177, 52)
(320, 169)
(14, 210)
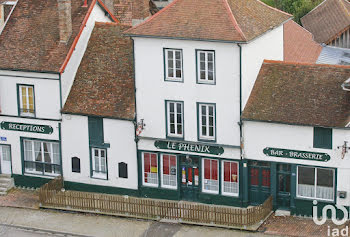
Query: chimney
(110, 5)
(65, 19)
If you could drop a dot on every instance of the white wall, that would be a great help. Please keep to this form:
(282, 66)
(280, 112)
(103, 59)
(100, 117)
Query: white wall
(75, 142)
(259, 135)
(46, 92)
(152, 90)
(267, 46)
(97, 15)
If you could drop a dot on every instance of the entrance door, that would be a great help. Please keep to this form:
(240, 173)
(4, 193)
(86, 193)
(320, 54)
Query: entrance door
(283, 186)
(189, 178)
(259, 182)
(5, 159)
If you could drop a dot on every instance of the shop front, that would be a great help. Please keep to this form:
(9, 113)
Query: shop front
(199, 177)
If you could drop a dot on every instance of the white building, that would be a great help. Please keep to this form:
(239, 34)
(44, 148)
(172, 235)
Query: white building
(98, 131)
(195, 64)
(40, 54)
(296, 136)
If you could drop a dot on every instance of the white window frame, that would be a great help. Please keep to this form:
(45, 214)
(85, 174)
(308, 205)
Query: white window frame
(176, 134)
(174, 78)
(162, 175)
(207, 137)
(21, 106)
(203, 177)
(143, 170)
(206, 80)
(315, 185)
(42, 158)
(223, 176)
(94, 173)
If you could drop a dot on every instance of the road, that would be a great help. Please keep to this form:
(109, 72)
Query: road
(18, 222)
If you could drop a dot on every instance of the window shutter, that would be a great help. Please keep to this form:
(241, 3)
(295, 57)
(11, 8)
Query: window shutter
(95, 131)
(323, 138)
(75, 165)
(123, 170)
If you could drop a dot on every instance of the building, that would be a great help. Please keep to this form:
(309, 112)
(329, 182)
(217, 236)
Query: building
(299, 45)
(195, 64)
(329, 22)
(296, 134)
(41, 47)
(334, 55)
(98, 132)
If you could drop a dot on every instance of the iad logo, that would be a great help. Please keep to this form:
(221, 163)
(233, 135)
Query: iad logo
(331, 231)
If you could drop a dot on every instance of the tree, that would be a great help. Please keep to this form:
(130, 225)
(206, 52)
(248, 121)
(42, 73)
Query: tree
(298, 8)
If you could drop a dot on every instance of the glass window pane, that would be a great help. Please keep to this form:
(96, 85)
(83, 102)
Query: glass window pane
(210, 57)
(179, 129)
(306, 181)
(178, 55)
(204, 110)
(170, 54)
(170, 73)
(178, 73)
(202, 57)
(202, 75)
(172, 106)
(178, 107)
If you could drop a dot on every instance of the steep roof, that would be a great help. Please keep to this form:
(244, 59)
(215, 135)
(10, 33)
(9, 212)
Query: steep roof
(223, 20)
(104, 83)
(303, 94)
(30, 41)
(327, 20)
(299, 45)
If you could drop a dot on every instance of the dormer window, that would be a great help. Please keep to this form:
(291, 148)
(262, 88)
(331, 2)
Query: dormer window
(173, 65)
(26, 100)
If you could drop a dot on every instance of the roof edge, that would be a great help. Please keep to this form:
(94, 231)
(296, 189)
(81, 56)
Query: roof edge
(276, 9)
(100, 116)
(267, 61)
(293, 124)
(233, 19)
(181, 38)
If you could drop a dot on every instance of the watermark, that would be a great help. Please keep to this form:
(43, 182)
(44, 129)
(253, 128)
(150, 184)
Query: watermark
(332, 231)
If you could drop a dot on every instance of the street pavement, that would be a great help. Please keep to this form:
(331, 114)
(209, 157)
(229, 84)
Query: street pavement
(20, 222)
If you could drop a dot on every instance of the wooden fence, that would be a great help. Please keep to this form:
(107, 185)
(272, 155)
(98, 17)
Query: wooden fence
(51, 196)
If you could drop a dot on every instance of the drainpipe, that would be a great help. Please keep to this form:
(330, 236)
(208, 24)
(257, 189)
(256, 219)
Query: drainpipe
(245, 173)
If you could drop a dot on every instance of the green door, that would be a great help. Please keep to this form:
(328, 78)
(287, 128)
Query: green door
(259, 182)
(189, 168)
(283, 186)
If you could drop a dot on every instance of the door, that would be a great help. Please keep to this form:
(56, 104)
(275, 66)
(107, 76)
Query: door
(189, 167)
(5, 159)
(283, 186)
(259, 182)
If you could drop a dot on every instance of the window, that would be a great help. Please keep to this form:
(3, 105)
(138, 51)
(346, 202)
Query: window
(174, 119)
(207, 121)
(169, 171)
(26, 100)
(173, 64)
(99, 163)
(206, 67)
(315, 183)
(230, 178)
(123, 170)
(150, 169)
(75, 165)
(323, 138)
(41, 157)
(210, 181)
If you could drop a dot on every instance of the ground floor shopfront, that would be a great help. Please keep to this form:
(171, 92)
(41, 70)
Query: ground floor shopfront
(30, 150)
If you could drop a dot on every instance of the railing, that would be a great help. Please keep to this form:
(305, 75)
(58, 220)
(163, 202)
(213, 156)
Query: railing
(155, 209)
(50, 189)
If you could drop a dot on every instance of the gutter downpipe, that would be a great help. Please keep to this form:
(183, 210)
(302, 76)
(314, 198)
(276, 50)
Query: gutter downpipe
(244, 199)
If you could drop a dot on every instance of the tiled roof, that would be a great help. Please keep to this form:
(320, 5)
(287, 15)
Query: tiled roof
(30, 41)
(334, 55)
(127, 10)
(327, 20)
(104, 83)
(224, 20)
(299, 45)
(302, 94)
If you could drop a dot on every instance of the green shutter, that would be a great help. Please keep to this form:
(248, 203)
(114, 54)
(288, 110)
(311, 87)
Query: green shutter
(323, 138)
(95, 131)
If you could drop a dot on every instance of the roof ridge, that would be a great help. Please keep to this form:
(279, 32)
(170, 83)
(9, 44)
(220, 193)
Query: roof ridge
(154, 16)
(233, 19)
(273, 8)
(266, 61)
(324, 1)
